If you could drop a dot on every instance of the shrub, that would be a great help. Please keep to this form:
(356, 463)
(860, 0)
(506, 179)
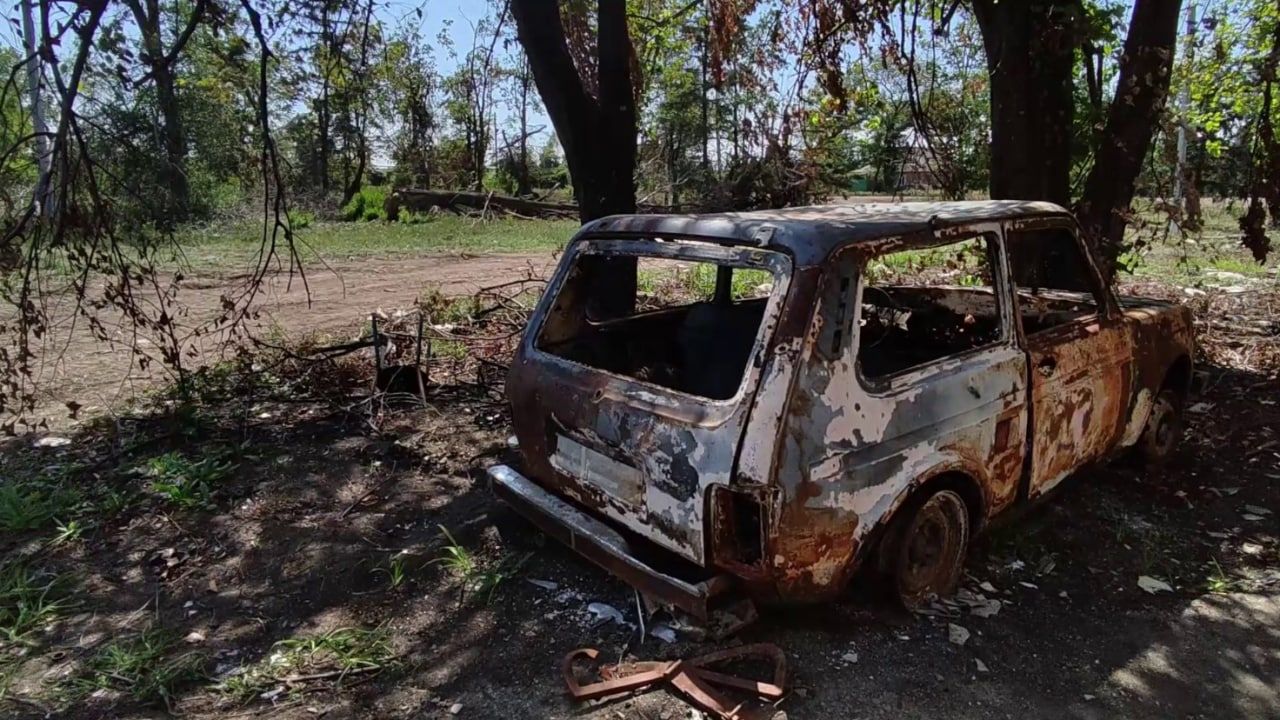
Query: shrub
(368, 204)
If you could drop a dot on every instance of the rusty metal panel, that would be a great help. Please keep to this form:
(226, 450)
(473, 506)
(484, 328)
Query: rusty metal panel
(662, 449)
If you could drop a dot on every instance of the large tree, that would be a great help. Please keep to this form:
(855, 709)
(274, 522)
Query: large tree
(1030, 48)
(591, 102)
(1141, 90)
(160, 62)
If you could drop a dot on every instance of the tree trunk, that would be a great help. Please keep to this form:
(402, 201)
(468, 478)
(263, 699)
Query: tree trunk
(322, 109)
(524, 187)
(175, 142)
(356, 181)
(598, 135)
(173, 135)
(1030, 48)
(1141, 90)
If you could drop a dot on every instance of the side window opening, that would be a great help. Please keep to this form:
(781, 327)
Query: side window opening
(688, 325)
(923, 305)
(1052, 276)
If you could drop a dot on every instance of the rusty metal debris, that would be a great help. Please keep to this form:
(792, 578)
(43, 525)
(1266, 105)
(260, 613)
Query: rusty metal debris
(693, 678)
(776, 443)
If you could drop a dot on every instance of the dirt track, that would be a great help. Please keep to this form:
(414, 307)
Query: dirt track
(96, 374)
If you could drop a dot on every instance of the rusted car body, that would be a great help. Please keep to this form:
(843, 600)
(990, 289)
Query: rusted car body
(776, 444)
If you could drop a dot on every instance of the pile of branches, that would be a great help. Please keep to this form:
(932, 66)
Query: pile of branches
(463, 340)
(1237, 328)
(438, 345)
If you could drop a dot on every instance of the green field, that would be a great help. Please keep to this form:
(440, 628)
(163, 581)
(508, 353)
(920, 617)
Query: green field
(232, 245)
(228, 246)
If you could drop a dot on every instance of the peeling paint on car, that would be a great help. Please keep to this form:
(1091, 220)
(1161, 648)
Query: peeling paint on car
(785, 488)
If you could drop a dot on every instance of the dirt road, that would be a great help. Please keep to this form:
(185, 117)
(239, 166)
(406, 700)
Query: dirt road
(337, 299)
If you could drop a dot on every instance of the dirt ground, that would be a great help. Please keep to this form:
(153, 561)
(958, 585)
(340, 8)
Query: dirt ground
(336, 299)
(324, 496)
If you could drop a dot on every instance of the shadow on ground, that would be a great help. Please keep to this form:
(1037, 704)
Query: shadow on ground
(304, 533)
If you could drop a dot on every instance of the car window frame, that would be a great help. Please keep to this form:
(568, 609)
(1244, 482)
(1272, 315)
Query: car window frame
(1106, 302)
(910, 377)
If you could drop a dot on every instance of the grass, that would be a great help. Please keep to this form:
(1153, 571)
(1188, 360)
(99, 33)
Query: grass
(29, 600)
(145, 666)
(679, 281)
(337, 654)
(477, 577)
(395, 569)
(234, 246)
(184, 482)
(1219, 581)
(34, 504)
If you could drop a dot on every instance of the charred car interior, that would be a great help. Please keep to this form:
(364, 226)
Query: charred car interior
(759, 404)
(684, 324)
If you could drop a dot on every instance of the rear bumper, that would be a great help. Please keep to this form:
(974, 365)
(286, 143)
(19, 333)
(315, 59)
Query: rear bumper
(600, 543)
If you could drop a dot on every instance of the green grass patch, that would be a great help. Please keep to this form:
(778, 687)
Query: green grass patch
(147, 666)
(184, 482)
(29, 600)
(478, 577)
(686, 282)
(368, 204)
(34, 504)
(335, 654)
(235, 246)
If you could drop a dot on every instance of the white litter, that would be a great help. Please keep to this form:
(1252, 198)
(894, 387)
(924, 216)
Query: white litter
(544, 584)
(606, 613)
(52, 441)
(982, 667)
(850, 657)
(663, 632)
(1152, 585)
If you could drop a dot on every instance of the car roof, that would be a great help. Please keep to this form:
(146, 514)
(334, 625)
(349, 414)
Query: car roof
(812, 233)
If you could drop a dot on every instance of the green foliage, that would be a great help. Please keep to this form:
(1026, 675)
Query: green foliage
(395, 569)
(147, 666)
(409, 217)
(34, 504)
(366, 205)
(477, 578)
(183, 482)
(345, 650)
(29, 600)
(696, 282)
(300, 219)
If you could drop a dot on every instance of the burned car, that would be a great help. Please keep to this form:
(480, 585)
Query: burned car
(825, 388)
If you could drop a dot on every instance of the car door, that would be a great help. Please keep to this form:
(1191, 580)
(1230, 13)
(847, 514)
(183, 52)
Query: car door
(1077, 349)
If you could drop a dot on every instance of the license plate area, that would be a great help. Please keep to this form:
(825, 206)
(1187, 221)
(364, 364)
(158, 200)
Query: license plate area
(615, 479)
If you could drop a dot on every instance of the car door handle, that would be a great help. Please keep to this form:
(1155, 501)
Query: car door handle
(1047, 365)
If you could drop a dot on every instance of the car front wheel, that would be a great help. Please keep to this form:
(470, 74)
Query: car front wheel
(1163, 430)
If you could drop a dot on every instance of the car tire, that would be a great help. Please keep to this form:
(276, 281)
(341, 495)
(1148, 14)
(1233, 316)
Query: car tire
(929, 548)
(1163, 431)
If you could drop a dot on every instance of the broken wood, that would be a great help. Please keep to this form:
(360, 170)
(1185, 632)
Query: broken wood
(467, 201)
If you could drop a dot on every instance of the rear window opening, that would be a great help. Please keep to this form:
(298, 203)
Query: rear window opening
(687, 324)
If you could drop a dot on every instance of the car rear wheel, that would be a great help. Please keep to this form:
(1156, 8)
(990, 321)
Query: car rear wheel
(929, 549)
(1163, 431)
